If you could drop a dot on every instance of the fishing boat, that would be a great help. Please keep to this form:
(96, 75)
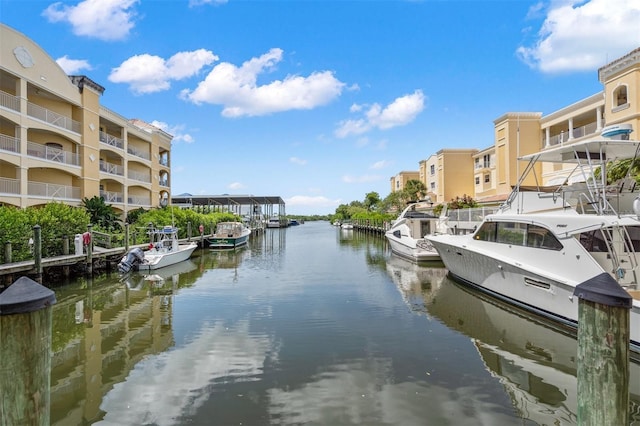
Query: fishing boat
(164, 250)
(229, 235)
(407, 233)
(544, 242)
(274, 222)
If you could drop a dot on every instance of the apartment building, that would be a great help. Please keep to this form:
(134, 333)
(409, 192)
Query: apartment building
(496, 168)
(57, 143)
(399, 181)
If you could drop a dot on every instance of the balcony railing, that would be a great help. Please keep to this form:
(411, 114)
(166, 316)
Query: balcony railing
(52, 154)
(113, 169)
(9, 186)
(485, 165)
(138, 153)
(142, 177)
(112, 197)
(9, 143)
(9, 101)
(139, 200)
(578, 132)
(164, 182)
(50, 190)
(111, 140)
(53, 118)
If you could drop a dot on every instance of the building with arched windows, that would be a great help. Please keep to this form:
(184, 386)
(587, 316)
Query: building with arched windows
(57, 143)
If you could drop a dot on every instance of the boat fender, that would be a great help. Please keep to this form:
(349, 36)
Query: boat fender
(86, 238)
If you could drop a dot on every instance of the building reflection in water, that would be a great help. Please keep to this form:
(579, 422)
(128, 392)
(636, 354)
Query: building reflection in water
(101, 329)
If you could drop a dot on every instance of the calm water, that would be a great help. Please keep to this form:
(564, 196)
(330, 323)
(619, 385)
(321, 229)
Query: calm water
(306, 325)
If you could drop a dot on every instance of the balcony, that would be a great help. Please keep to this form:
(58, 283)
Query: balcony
(108, 139)
(112, 169)
(578, 132)
(164, 182)
(53, 191)
(139, 176)
(9, 101)
(139, 200)
(9, 143)
(53, 118)
(112, 197)
(9, 186)
(482, 165)
(57, 155)
(138, 153)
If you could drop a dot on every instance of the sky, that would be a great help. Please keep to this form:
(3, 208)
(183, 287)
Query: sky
(321, 102)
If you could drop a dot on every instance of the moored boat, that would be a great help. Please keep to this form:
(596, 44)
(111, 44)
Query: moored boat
(544, 242)
(407, 233)
(164, 250)
(229, 235)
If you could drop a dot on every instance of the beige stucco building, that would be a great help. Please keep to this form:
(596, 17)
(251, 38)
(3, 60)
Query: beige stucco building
(399, 181)
(57, 143)
(496, 169)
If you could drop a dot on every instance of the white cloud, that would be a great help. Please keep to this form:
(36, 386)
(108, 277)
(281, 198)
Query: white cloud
(380, 165)
(583, 36)
(236, 88)
(307, 201)
(73, 66)
(360, 179)
(148, 73)
(177, 131)
(400, 112)
(236, 186)
(297, 160)
(102, 19)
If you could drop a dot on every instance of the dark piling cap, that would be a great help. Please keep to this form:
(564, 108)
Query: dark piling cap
(605, 290)
(24, 296)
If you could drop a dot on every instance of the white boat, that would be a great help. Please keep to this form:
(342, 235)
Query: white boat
(273, 222)
(544, 242)
(407, 233)
(229, 235)
(346, 225)
(164, 250)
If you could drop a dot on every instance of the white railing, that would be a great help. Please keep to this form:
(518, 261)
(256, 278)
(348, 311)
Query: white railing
(9, 143)
(142, 177)
(164, 182)
(139, 201)
(9, 101)
(9, 186)
(138, 153)
(111, 168)
(111, 140)
(53, 118)
(52, 154)
(112, 197)
(578, 132)
(470, 215)
(51, 190)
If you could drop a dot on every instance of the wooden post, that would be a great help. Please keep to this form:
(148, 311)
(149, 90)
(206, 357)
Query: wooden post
(25, 370)
(188, 231)
(90, 250)
(126, 237)
(65, 250)
(37, 252)
(7, 252)
(603, 352)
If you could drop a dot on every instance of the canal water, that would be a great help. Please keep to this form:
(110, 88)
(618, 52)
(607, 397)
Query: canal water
(306, 325)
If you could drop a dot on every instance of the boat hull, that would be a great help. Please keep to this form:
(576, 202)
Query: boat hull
(227, 243)
(415, 250)
(518, 283)
(156, 261)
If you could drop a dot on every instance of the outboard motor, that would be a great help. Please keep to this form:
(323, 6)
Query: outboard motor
(131, 260)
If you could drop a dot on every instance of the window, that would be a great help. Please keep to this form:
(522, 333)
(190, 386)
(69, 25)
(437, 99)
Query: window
(477, 180)
(433, 185)
(432, 169)
(620, 96)
(487, 178)
(487, 232)
(518, 234)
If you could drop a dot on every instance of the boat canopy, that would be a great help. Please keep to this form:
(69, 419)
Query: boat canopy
(595, 151)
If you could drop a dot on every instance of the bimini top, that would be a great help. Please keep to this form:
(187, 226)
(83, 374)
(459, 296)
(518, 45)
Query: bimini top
(594, 151)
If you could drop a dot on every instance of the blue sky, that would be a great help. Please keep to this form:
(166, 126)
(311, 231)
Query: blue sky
(322, 102)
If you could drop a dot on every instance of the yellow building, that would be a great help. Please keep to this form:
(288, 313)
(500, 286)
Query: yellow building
(399, 181)
(429, 175)
(454, 174)
(57, 143)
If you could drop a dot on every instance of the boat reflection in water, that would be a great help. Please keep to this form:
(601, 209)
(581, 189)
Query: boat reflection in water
(536, 363)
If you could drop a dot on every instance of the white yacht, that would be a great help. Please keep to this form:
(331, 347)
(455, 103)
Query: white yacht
(165, 250)
(543, 242)
(407, 233)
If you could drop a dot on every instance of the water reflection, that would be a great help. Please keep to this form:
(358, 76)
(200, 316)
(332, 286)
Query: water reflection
(534, 362)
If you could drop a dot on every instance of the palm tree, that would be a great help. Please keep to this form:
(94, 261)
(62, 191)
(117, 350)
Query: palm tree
(101, 214)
